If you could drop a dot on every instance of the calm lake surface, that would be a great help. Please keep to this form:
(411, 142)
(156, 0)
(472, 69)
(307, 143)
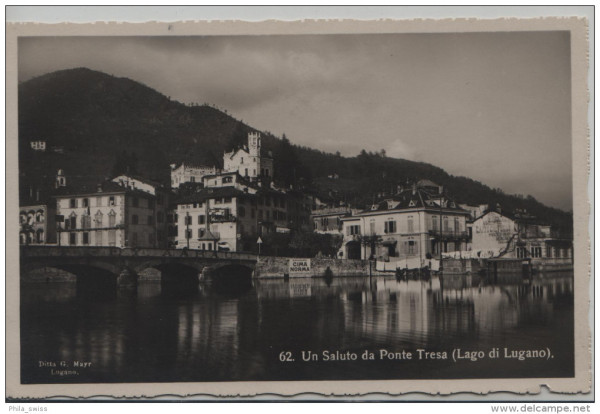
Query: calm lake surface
(167, 335)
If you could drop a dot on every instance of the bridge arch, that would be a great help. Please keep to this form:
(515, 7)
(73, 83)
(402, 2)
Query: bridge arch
(229, 277)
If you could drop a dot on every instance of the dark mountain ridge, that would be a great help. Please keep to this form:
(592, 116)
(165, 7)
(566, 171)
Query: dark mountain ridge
(88, 119)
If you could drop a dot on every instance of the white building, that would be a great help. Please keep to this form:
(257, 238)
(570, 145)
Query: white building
(189, 173)
(115, 214)
(250, 161)
(38, 145)
(412, 225)
(215, 219)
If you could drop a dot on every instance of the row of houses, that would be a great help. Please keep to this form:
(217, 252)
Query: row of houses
(216, 209)
(421, 222)
(210, 209)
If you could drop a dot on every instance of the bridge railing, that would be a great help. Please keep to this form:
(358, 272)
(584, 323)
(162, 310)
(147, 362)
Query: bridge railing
(92, 251)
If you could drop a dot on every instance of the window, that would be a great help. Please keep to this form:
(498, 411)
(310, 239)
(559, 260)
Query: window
(188, 234)
(112, 237)
(159, 199)
(434, 223)
(192, 179)
(201, 219)
(521, 252)
(411, 226)
(86, 222)
(136, 202)
(227, 200)
(134, 219)
(134, 239)
(536, 251)
(218, 200)
(86, 202)
(548, 251)
(241, 211)
(227, 180)
(242, 161)
(411, 247)
(72, 239)
(85, 238)
(246, 172)
(112, 219)
(390, 226)
(98, 238)
(73, 203)
(71, 223)
(200, 233)
(98, 219)
(150, 220)
(267, 172)
(160, 217)
(352, 230)
(98, 201)
(111, 200)
(456, 224)
(188, 220)
(372, 227)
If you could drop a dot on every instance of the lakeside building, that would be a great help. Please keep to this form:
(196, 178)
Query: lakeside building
(328, 220)
(37, 213)
(189, 173)
(125, 212)
(250, 161)
(37, 224)
(231, 219)
(414, 224)
(519, 236)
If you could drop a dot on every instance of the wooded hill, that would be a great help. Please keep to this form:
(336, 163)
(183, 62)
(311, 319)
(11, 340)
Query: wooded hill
(96, 125)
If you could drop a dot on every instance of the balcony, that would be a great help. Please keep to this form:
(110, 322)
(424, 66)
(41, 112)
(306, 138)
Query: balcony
(449, 234)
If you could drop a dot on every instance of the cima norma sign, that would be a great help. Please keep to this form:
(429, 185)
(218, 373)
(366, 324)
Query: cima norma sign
(299, 266)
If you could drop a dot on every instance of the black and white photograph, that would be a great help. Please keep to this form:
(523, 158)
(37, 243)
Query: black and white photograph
(304, 205)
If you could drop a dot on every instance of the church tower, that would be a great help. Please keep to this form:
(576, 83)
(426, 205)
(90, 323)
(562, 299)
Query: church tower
(254, 144)
(61, 180)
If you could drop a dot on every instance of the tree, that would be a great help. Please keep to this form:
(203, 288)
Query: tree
(126, 163)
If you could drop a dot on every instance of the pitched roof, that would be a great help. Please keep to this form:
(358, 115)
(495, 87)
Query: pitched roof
(106, 187)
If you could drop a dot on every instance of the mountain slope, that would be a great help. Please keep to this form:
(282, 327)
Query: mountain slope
(94, 117)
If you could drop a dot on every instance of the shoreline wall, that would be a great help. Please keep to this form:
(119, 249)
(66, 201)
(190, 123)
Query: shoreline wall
(278, 267)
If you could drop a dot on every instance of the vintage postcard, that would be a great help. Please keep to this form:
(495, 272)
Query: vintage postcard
(315, 208)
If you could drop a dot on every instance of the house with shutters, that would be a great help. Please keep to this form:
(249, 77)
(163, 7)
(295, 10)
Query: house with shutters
(413, 224)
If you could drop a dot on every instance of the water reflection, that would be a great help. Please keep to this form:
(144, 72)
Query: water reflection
(160, 334)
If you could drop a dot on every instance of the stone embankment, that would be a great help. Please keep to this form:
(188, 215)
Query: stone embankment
(279, 267)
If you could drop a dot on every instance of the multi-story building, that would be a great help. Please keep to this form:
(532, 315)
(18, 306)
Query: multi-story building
(38, 145)
(116, 214)
(250, 161)
(215, 219)
(37, 224)
(189, 173)
(328, 220)
(497, 234)
(413, 224)
(232, 216)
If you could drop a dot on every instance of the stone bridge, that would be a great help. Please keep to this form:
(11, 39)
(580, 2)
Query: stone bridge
(122, 266)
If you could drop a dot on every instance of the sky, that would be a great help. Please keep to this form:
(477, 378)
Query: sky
(495, 107)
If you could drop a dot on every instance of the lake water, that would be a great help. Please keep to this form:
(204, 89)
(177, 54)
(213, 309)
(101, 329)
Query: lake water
(166, 335)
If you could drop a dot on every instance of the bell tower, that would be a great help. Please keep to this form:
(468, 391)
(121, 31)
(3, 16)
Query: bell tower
(254, 144)
(61, 180)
